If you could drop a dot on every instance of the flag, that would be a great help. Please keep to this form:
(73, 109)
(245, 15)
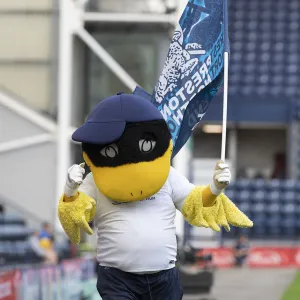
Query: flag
(193, 70)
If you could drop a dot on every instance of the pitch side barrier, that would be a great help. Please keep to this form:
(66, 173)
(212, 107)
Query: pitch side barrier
(72, 279)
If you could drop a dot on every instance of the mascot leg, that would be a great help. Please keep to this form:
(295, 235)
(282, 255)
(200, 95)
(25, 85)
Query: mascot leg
(165, 285)
(114, 284)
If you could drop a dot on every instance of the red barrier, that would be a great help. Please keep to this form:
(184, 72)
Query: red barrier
(7, 286)
(222, 257)
(271, 257)
(297, 257)
(259, 257)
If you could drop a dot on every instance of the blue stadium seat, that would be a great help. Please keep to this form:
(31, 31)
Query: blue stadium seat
(243, 196)
(288, 226)
(259, 210)
(259, 184)
(273, 185)
(297, 225)
(14, 232)
(14, 247)
(289, 185)
(258, 196)
(273, 226)
(297, 197)
(259, 220)
(231, 234)
(246, 208)
(273, 197)
(242, 184)
(288, 210)
(273, 209)
(11, 219)
(297, 210)
(288, 196)
(230, 193)
(259, 229)
(244, 231)
(259, 232)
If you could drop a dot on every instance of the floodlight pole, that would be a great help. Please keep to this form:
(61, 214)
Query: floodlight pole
(67, 20)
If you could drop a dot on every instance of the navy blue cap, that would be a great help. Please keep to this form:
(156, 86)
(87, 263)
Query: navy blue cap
(107, 121)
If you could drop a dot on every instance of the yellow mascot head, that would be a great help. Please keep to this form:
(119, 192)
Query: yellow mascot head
(128, 147)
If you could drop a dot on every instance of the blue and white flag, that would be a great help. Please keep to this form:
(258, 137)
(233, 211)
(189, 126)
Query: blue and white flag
(193, 71)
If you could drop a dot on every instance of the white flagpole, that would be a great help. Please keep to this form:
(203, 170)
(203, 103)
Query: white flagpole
(225, 94)
(225, 100)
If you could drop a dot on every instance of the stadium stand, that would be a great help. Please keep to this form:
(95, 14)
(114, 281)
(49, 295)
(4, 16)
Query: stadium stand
(273, 205)
(14, 247)
(265, 48)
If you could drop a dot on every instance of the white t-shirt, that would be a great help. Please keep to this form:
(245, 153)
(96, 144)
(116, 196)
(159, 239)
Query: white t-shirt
(139, 236)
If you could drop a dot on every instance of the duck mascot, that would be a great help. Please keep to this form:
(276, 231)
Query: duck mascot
(132, 194)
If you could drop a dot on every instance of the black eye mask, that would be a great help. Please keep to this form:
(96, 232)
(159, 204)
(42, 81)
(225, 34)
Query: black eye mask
(140, 142)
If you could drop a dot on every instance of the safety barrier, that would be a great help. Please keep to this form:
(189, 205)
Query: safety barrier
(259, 257)
(71, 280)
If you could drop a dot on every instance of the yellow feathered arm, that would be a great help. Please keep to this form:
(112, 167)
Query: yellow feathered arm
(222, 213)
(75, 213)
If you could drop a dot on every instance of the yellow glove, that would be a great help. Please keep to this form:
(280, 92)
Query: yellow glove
(222, 213)
(75, 215)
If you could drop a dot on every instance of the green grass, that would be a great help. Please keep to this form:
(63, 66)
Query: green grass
(293, 291)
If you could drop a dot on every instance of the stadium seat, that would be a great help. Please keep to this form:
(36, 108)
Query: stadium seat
(288, 227)
(273, 185)
(246, 208)
(297, 225)
(297, 197)
(297, 210)
(259, 210)
(232, 234)
(11, 219)
(230, 193)
(259, 184)
(258, 196)
(273, 226)
(289, 185)
(288, 210)
(288, 196)
(243, 196)
(273, 209)
(14, 232)
(273, 197)
(242, 184)
(259, 230)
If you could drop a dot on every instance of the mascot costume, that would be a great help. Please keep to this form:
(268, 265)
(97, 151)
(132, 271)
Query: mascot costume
(132, 194)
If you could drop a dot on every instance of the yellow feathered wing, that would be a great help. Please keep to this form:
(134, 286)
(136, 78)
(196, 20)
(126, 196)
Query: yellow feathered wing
(222, 213)
(76, 215)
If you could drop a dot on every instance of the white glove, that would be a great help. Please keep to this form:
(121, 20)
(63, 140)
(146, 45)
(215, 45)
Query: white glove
(221, 178)
(74, 179)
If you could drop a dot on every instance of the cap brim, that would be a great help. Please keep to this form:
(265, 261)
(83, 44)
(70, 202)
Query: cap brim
(99, 133)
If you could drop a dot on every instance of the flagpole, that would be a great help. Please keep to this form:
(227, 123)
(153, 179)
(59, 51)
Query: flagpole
(225, 100)
(226, 64)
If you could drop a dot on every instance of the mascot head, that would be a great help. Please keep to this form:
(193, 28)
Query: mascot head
(128, 147)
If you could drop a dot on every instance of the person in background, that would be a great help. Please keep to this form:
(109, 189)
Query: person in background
(241, 250)
(279, 171)
(46, 236)
(38, 253)
(46, 240)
